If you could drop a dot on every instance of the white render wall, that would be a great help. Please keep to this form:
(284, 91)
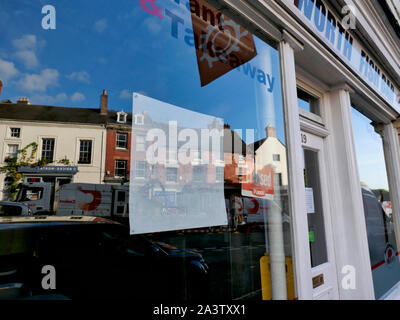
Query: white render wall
(265, 153)
(67, 136)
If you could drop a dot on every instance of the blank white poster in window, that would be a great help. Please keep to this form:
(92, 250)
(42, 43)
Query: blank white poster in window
(178, 187)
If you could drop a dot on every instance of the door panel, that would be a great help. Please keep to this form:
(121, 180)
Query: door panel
(322, 257)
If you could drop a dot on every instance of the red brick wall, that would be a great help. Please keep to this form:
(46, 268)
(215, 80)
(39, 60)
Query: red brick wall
(112, 153)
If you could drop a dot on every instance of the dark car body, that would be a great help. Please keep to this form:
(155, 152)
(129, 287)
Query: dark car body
(8, 209)
(94, 259)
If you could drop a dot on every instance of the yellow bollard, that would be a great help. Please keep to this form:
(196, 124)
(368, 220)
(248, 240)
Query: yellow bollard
(265, 270)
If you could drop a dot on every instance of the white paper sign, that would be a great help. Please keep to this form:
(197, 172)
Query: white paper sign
(173, 183)
(310, 200)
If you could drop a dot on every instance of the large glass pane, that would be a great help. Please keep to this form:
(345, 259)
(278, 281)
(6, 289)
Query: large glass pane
(315, 214)
(377, 206)
(190, 126)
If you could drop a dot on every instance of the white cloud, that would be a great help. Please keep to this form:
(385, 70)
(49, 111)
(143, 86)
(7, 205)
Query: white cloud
(48, 100)
(7, 70)
(39, 82)
(125, 94)
(81, 76)
(28, 58)
(100, 25)
(26, 42)
(26, 47)
(77, 97)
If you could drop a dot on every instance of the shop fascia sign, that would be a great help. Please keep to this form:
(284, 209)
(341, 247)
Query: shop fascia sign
(48, 169)
(317, 16)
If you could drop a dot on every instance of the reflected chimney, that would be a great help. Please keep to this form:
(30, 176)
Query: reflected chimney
(103, 103)
(270, 131)
(23, 101)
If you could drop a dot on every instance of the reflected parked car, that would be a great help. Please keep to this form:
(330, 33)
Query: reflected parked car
(11, 209)
(94, 258)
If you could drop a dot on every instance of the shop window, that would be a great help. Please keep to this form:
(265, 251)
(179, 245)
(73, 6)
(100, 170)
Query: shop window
(208, 122)
(308, 102)
(381, 233)
(221, 122)
(48, 149)
(85, 152)
(122, 140)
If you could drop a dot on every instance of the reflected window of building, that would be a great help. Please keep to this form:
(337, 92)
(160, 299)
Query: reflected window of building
(120, 168)
(121, 117)
(139, 119)
(122, 140)
(48, 149)
(172, 174)
(85, 151)
(276, 157)
(15, 132)
(12, 151)
(198, 174)
(140, 168)
(140, 143)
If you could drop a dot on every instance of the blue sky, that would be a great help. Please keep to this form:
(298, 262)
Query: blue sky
(120, 47)
(369, 151)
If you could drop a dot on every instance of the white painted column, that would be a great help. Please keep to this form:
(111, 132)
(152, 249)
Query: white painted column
(301, 250)
(348, 221)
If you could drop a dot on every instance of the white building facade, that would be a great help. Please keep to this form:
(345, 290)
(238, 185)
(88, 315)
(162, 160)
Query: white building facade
(77, 149)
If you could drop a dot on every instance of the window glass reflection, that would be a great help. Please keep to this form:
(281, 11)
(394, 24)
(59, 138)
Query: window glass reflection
(377, 205)
(186, 148)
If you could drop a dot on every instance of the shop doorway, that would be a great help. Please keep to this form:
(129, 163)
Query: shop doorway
(324, 277)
